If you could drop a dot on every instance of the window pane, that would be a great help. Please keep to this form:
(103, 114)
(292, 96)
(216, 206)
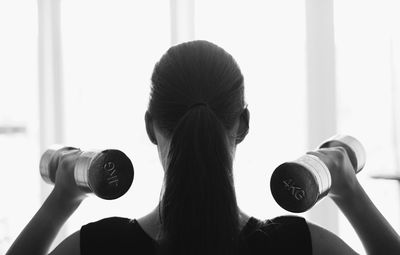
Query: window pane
(267, 38)
(19, 184)
(368, 62)
(109, 50)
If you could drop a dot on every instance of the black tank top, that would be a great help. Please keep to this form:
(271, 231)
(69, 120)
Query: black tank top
(115, 235)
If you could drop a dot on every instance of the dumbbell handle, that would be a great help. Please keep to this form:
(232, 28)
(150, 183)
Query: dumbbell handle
(107, 173)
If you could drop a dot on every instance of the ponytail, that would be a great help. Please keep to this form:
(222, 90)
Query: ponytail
(199, 212)
(198, 209)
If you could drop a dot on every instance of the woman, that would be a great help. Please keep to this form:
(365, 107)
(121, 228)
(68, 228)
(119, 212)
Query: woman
(196, 117)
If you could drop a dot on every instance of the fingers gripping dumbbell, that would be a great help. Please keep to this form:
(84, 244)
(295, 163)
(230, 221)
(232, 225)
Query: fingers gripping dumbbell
(108, 173)
(297, 185)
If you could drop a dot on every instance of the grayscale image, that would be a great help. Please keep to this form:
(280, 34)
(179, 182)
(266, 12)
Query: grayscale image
(199, 127)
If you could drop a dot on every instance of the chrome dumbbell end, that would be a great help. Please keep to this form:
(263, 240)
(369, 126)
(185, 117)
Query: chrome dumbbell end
(44, 166)
(354, 149)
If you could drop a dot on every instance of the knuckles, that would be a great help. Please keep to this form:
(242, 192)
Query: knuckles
(335, 155)
(65, 163)
(67, 160)
(341, 154)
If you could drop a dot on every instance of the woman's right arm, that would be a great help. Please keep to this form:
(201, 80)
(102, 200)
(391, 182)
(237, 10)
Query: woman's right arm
(64, 199)
(375, 233)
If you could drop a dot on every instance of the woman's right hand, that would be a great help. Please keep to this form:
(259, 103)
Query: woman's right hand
(65, 186)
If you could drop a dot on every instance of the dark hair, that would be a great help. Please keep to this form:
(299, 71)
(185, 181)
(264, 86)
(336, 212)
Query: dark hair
(199, 212)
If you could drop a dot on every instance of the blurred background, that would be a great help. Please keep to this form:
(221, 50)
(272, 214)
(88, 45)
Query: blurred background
(77, 72)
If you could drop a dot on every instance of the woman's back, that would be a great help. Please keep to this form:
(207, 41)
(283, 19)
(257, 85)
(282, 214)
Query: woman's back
(281, 235)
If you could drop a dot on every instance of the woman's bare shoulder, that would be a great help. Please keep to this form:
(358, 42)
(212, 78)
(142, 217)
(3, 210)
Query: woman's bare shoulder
(70, 245)
(325, 242)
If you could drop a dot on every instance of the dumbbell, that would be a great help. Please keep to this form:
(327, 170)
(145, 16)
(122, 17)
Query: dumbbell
(107, 173)
(298, 185)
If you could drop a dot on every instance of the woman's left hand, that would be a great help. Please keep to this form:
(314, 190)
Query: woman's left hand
(342, 172)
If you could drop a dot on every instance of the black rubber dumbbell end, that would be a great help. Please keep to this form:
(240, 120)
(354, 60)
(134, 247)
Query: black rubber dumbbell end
(294, 188)
(115, 177)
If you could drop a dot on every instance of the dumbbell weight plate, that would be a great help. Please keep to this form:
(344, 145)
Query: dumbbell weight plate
(109, 176)
(296, 186)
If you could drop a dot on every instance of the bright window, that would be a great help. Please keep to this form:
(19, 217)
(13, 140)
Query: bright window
(109, 51)
(267, 39)
(19, 182)
(368, 66)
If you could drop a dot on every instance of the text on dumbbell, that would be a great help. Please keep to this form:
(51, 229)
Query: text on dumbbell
(112, 177)
(296, 192)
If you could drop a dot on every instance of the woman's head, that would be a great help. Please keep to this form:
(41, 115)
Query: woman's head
(197, 144)
(192, 72)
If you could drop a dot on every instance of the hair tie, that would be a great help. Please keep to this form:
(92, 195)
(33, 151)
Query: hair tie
(198, 104)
